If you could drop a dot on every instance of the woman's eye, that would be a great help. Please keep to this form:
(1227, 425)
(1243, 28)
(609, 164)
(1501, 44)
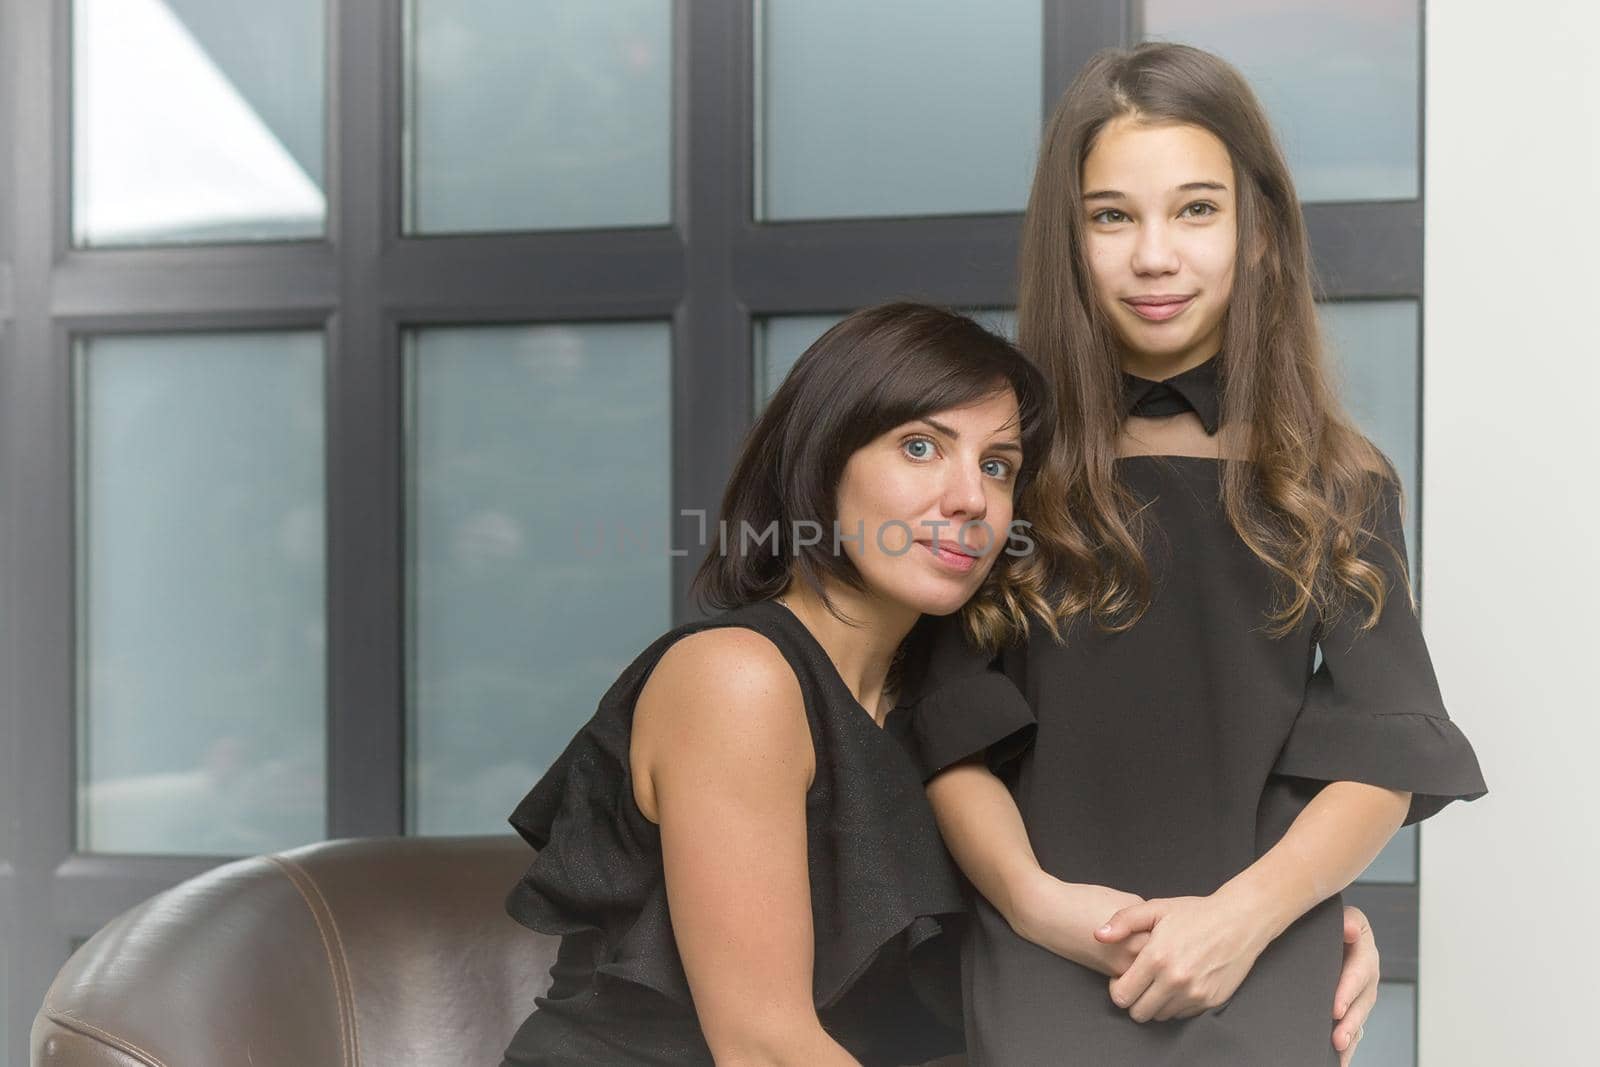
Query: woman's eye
(1101, 216)
(1210, 209)
(997, 468)
(918, 448)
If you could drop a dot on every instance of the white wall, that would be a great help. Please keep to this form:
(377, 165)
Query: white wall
(1511, 549)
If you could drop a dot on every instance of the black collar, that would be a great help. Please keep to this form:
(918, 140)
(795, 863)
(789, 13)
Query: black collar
(1193, 390)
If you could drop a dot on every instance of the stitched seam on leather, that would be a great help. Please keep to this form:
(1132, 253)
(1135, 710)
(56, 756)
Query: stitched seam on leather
(65, 1019)
(294, 872)
(344, 964)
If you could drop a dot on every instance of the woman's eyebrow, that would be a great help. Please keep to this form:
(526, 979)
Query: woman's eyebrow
(954, 435)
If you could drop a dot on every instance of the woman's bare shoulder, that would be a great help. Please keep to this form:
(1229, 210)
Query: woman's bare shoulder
(724, 663)
(727, 697)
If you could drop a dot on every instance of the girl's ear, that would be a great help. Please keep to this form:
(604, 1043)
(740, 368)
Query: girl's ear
(1255, 248)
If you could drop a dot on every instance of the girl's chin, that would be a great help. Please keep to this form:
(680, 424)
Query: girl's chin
(1152, 343)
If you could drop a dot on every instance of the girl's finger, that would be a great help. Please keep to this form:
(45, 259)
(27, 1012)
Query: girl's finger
(1127, 989)
(1154, 1001)
(1175, 1007)
(1129, 920)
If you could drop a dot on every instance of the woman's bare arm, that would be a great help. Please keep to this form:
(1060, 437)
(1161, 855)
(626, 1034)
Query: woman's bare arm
(723, 758)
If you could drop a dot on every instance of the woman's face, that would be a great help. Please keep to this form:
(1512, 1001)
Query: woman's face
(909, 492)
(1160, 235)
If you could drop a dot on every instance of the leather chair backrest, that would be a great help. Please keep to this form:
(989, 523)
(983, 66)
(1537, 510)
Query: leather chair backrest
(389, 951)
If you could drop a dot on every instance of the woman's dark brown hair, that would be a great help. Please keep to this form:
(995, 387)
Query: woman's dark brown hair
(876, 369)
(1306, 504)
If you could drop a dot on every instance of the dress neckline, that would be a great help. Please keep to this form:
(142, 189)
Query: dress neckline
(1197, 390)
(834, 676)
(1170, 455)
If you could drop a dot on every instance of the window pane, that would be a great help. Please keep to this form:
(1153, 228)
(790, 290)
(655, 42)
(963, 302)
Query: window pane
(538, 114)
(201, 637)
(780, 340)
(197, 120)
(1391, 1035)
(897, 107)
(1398, 860)
(1373, 346)
(540, 463)
(1373, 349)
(1339, 80)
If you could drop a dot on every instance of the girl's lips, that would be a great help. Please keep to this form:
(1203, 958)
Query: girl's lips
(1159, 312)
(956, 561)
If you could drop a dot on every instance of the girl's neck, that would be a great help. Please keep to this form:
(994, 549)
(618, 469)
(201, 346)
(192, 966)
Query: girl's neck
(1159, 366)
(861, 653)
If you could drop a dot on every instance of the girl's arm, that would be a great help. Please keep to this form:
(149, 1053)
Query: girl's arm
(984, 831)
(1201, 948)
(722, 759)
(1374, 727)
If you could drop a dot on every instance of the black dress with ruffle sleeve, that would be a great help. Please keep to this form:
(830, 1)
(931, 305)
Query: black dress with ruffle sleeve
(1169, 757)
(886, 900)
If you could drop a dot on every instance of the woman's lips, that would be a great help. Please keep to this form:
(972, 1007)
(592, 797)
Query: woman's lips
(950, 557)
(1159, 309)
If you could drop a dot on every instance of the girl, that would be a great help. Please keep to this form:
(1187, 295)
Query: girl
(737, 773)
(1194, 796)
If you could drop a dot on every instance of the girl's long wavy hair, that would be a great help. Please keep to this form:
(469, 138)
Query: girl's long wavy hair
(1307, 505)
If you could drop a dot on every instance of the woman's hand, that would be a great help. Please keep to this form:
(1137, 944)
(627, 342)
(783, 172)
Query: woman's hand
(1200, 950)
(1358, 984)
(1062, 917)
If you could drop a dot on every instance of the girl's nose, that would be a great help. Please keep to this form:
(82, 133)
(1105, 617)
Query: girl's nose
(1154, 253)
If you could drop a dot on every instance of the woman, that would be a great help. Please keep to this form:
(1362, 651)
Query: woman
(1194, 795)
(738, 775)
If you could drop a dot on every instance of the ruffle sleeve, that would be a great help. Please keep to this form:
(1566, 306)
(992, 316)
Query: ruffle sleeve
(961, 700)
(1373, 712)
(597, 870)
(882, 885)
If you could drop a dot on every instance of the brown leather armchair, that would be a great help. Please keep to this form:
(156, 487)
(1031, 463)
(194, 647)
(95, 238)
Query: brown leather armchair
(354, 953)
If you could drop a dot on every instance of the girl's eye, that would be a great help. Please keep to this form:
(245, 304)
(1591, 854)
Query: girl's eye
(1100, 216)
(918, 448)
(1210, 209)
(997, 468)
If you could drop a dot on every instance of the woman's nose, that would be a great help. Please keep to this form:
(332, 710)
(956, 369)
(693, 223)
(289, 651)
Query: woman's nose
(963, 494)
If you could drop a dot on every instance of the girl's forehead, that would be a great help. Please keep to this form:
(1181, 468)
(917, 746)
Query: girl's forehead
(1156, 155)
(1128, 134)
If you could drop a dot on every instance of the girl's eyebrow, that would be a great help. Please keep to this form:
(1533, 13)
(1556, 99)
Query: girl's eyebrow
(1186, 187)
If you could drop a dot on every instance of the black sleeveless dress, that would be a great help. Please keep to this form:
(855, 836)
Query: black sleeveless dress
(886, 899)
(1169, 757)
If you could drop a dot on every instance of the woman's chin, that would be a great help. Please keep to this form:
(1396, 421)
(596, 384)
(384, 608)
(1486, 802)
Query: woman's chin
(945, 598)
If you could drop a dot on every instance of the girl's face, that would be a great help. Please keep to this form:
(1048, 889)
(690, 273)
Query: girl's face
(1160, 237)
(909, 492)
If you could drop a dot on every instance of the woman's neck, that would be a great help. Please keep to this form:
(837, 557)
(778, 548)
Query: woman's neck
(862, 653)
